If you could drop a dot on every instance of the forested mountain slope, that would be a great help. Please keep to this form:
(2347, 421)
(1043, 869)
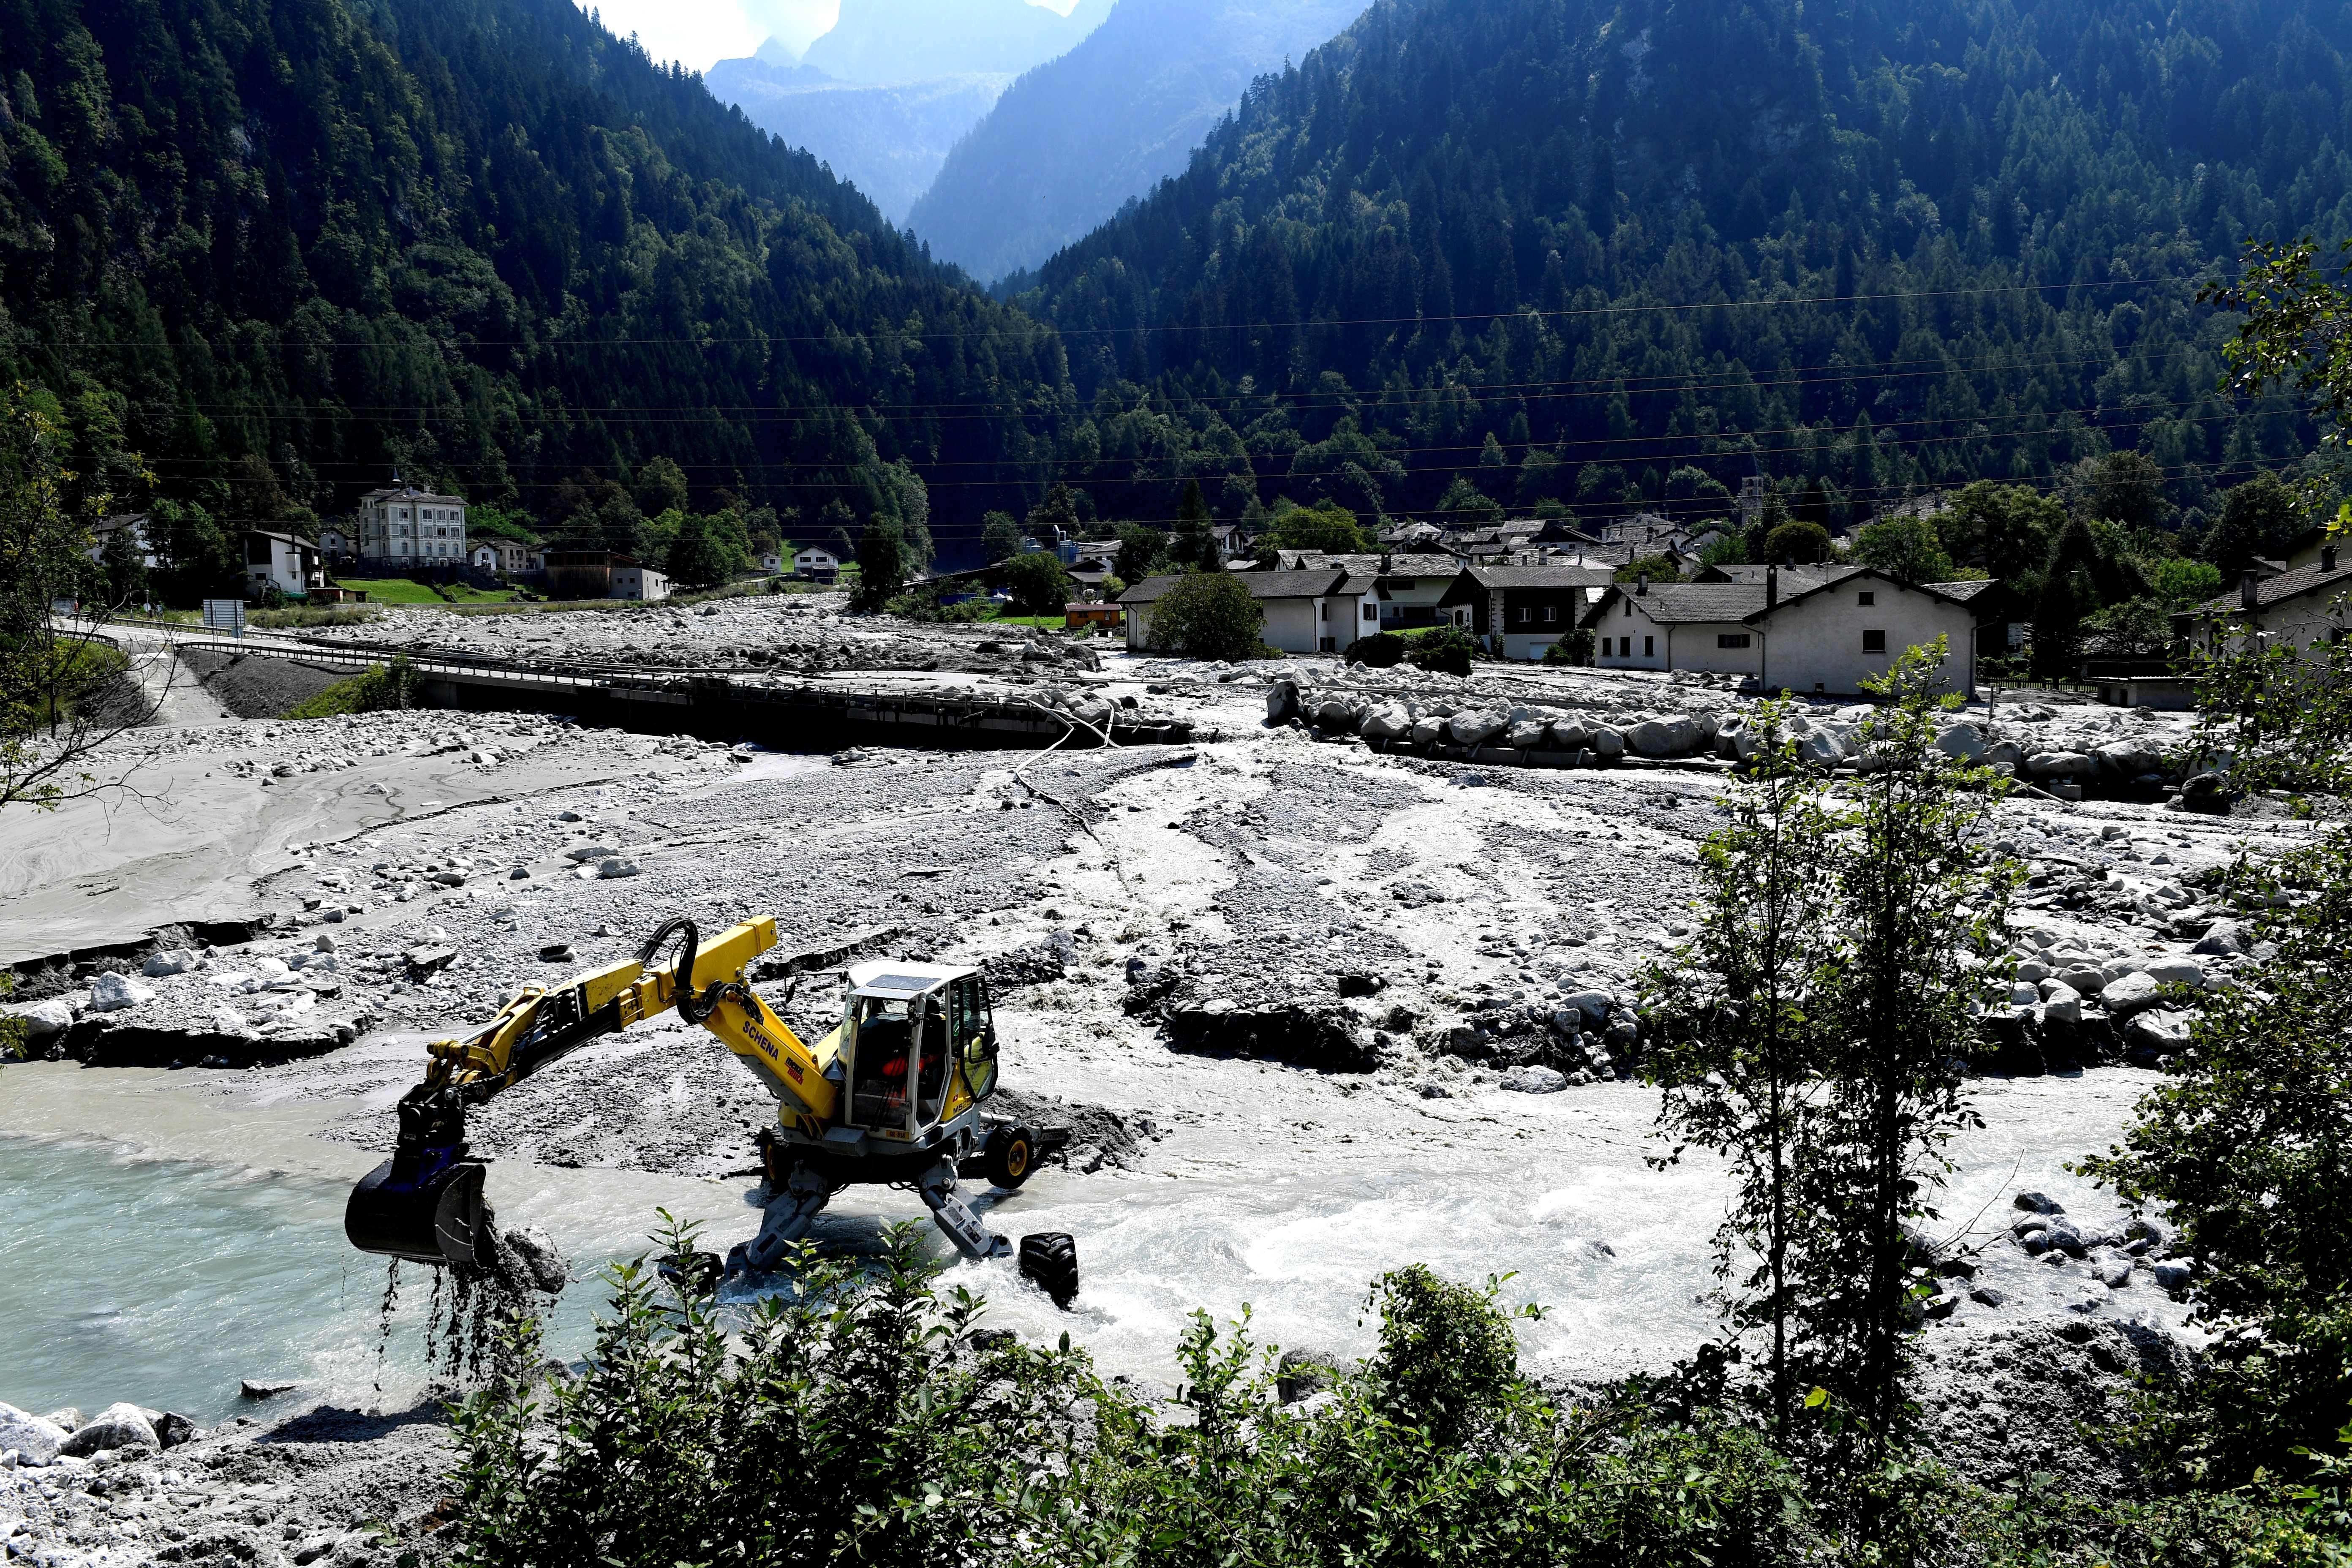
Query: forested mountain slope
(279, 246)
(1076, 138)
(1550, 245)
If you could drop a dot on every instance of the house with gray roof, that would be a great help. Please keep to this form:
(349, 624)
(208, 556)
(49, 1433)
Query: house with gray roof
(2307, 607)
(1519, 612)
(1822, 634)
(1306, 612)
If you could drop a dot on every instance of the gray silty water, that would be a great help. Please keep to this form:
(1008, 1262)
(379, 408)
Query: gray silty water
(167, 1282)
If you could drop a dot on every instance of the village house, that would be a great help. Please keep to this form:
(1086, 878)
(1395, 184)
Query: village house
(335, 541)
(1520, 612)
(501, 557)
(1405, 590)
(135, 522)
(285, 562)
(601, 575)
(2307, 608)
(1829, 630)
(821, 564)
(1306, 612)
(401, 527)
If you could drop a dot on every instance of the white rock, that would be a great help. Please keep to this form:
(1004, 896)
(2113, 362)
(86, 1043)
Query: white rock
(1965, 741)
(177, 960)
(35, 1441)
(1534, 1079)
(2176, 971)
(616, 867)
(2130, 993)
(113, 993)
(116, 1426)
(2060, 1002)
(43, 1019)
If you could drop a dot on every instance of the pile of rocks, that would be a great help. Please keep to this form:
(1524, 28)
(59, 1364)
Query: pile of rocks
(2119, 1257)
(1537, 736)
(1542, 1047)
(70, 1437)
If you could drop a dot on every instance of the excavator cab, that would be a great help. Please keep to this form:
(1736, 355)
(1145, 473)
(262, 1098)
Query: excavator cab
(918, 1045)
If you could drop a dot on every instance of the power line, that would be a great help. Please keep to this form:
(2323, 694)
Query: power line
(713, 339)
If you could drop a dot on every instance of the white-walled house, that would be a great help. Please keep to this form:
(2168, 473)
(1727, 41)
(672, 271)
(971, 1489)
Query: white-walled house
(284, 560)
(2307, 608)
(402, 526)
(1837, 629)
(816, 563)
(1320, 611)
(634, 580)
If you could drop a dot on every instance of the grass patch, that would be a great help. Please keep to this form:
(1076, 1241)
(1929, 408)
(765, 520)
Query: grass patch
(393, 590)
(303, 615)
(373, 690)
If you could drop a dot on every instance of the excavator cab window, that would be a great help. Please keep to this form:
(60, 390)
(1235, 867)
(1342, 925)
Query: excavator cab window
(885, 1029)
(975, 1033)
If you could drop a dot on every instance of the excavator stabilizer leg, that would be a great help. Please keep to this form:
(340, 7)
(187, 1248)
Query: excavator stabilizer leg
(955, 1219)
(789, 1213)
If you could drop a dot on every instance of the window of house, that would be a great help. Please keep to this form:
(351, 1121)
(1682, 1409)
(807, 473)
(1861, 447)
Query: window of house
(1874, 642)
(1624, 647)
(1371, 612)
(1649, 648)
(1731, 639)
(1870, 597)
(1551, 614)
(1527, 615)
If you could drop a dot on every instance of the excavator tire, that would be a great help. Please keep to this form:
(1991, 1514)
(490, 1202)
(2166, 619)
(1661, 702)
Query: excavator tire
(1009, 1155)
(1051, 1258)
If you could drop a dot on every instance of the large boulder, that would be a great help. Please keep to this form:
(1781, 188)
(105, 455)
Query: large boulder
(2131, 993)
(1820, 749)
(1428, 731)
(2225, 939)
(1475, 729)
(2060, 765)
(45, 1018)
(1390, 721)
(1534, 1079)
(1282, 702)
(2175, 972)
(1964, 741)
(1570, 735)
(1527, 734)
(2006, 755)
(114, 993)
(37, 1440)
(2163, 1033)
(1674, 737)
(2060, 1002)
(116, 1426)
(1336, 715)
(1593, 1005)
(2127, 759)
(172, 960)
(1605, 741)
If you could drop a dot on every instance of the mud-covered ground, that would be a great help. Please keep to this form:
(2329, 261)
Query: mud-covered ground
(1310, 1010)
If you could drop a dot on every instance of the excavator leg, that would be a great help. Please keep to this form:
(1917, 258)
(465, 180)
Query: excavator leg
(790, 1215)
(961, 1224)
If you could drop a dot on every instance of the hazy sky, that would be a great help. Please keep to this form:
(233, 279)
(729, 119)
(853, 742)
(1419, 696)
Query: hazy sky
(703, 32)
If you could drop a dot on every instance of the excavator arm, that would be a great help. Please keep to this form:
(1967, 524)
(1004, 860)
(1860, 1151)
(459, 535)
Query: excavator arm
(425, 1202)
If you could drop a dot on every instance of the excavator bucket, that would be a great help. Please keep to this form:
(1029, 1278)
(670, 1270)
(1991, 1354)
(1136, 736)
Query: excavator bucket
(425, 1211)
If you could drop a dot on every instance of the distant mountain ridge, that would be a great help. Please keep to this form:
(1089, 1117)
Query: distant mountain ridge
(278, 247)
(887, 141)
(884, 42)
(1073, 139)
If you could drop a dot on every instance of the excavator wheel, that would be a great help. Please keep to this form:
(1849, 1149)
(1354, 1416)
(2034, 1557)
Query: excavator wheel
(1009, 1155)
(1051, 1258)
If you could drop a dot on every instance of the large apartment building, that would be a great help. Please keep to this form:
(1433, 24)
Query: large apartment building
(402, 526)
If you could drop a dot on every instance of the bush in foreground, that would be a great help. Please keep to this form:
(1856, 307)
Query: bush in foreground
(1208, 614)
(865, 1417)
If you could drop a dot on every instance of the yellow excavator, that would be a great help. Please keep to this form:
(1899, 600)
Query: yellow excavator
(894, 1094)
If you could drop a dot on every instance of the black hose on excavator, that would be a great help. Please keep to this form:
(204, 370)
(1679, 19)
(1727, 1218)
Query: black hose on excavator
(691, 1007)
